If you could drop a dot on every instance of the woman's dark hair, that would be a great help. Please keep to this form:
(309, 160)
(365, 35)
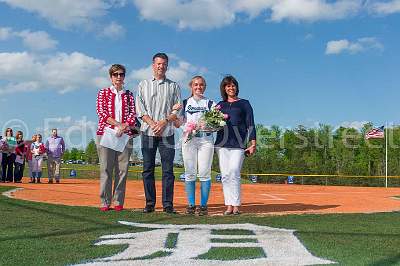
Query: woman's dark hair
(225, 81)
(8, 130)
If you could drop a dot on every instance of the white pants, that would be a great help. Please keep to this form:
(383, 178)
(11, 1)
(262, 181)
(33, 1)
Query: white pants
(197, 156)
(230, 164)
(37, 163)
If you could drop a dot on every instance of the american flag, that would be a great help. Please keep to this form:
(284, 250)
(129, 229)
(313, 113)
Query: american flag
(375, 133)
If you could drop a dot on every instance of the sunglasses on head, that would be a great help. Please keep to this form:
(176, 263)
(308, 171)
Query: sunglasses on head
(116, 74)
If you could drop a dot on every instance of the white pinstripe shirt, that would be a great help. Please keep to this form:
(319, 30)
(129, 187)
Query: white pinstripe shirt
(155, 98)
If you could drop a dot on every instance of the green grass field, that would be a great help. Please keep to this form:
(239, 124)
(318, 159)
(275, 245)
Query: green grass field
(45, 234)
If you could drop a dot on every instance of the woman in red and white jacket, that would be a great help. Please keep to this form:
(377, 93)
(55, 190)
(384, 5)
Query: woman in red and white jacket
(116, 110)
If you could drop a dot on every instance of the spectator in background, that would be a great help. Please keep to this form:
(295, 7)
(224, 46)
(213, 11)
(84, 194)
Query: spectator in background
(19, 163)
(37, 149)
(2, 145)
(29, 157)
(55, 148)
(8, 156)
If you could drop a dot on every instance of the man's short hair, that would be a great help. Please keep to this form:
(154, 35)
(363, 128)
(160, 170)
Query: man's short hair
(115, 68)
(160, 55)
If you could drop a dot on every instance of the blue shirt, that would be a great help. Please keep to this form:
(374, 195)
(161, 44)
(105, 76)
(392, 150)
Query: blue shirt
(55, 146)
(239, 127)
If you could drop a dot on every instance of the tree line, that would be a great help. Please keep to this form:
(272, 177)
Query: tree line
(323, 150)
(302, 150)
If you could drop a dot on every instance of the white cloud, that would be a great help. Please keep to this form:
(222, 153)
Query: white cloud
(362, 44)
(354, 124)
(180, 71)
(113, 31)
(61, 72)
(313, 10)
(66, 13)
(205, 14)
(5, 34)
(38, 40)
(208, 14)
(386, 8)
(34, 40)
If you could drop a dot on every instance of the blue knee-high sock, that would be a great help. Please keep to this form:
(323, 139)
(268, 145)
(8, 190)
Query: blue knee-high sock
(190, 192)
(205, 192)
(33, 175)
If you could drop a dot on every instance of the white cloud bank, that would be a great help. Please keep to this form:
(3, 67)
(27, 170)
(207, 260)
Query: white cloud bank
(209, 14)
(72, 14)
(360, 45)
(62, 72)
(385, 8)
(34, 40)
(201, 14)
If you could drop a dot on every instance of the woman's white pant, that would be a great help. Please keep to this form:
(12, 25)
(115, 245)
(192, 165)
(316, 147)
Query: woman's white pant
(197, 156)
(230, 164)
(37, 164)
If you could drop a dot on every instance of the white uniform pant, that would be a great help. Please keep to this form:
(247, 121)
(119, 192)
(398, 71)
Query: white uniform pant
(37, 163)
(197, 156)
(230, 164)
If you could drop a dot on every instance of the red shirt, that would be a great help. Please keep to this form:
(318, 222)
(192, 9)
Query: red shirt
(105, 107)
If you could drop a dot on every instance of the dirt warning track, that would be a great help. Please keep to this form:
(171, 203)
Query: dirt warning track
(256, 198)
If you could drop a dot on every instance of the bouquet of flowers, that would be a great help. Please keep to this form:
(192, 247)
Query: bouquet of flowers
(39, 149)
(42, 148)
(211, 121)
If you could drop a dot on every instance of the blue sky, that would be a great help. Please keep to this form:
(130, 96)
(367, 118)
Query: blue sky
(298, 62)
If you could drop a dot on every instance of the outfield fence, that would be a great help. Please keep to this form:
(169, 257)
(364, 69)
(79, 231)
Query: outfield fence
(325, 179)
(264, 178)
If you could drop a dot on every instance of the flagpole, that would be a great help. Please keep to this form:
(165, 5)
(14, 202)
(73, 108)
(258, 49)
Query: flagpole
(386, 157)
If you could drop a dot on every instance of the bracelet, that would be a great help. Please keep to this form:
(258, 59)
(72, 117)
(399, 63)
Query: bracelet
(174, 112)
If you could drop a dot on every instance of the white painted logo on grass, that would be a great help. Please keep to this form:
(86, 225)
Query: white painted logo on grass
(280, 246)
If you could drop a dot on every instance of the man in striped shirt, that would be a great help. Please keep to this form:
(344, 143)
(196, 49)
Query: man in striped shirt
(154, 102)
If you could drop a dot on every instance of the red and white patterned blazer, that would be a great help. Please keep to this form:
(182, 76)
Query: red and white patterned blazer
(105, 108)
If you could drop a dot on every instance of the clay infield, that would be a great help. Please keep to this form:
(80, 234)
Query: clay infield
(256, 198)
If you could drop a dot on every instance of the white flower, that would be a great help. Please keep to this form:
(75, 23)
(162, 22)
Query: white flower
(222, 123)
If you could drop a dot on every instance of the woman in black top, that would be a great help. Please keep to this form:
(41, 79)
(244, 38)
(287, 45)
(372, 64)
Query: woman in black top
(231, 142)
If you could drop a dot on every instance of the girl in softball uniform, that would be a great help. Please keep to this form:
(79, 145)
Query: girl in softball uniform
(198, 151)
(37, 149)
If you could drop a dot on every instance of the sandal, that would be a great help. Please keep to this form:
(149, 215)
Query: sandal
(228, 213)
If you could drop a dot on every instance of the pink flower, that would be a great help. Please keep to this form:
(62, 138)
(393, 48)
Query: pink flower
(218, 107)
(190, 126)
(226, 116)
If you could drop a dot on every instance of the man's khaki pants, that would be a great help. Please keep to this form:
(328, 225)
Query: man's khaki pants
(53, 168)
(119, 162)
